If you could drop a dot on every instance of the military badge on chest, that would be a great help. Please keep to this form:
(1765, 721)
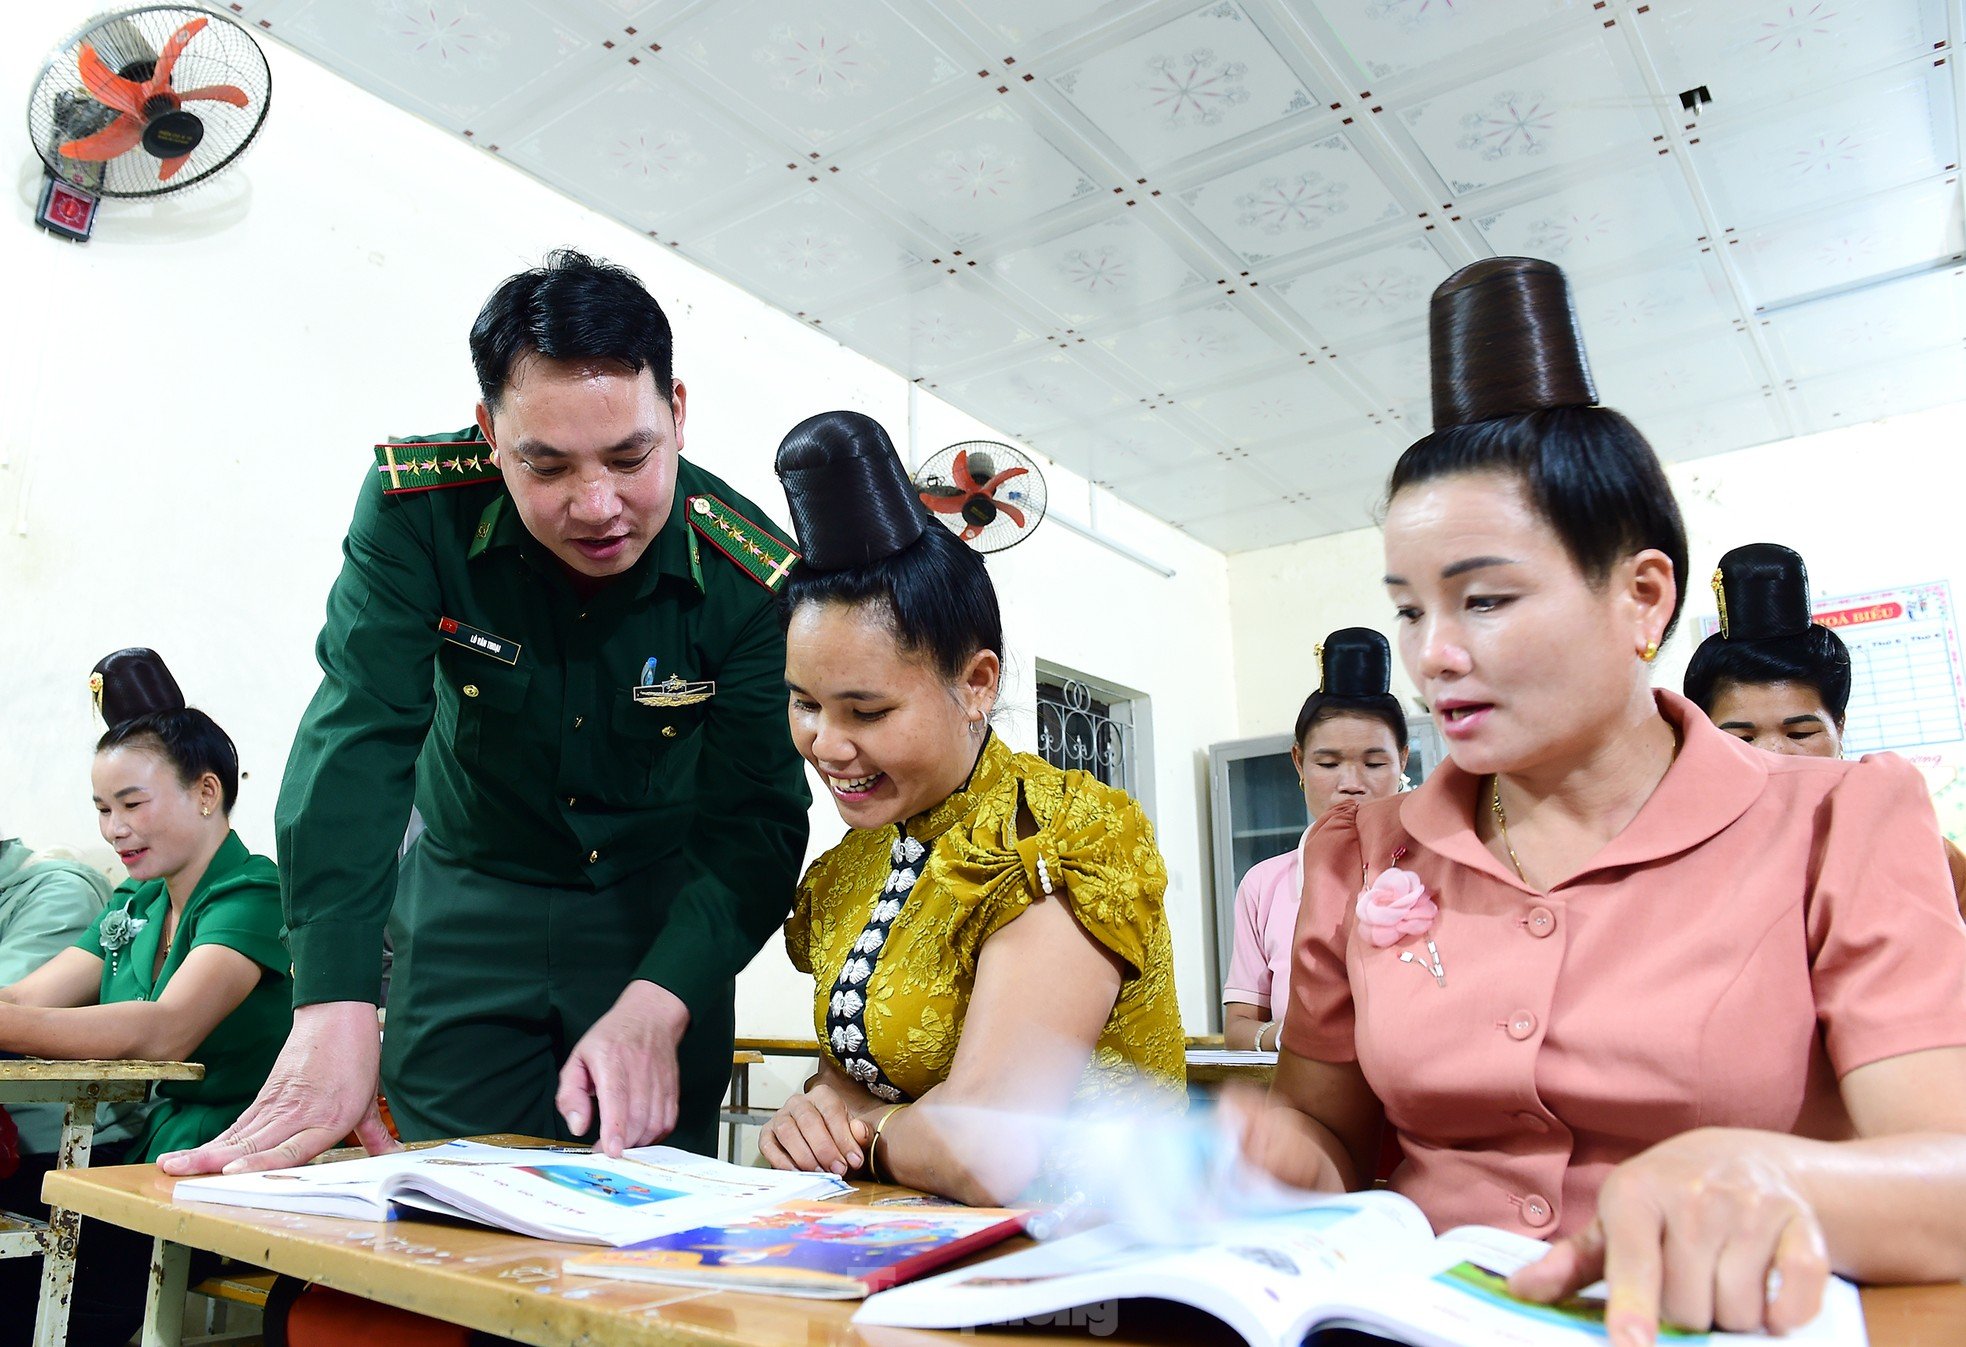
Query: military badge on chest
(673, 691)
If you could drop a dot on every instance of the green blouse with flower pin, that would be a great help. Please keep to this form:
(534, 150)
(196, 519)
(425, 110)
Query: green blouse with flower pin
(237, 905)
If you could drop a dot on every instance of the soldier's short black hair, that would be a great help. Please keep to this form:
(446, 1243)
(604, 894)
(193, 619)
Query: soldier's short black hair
(573, 307)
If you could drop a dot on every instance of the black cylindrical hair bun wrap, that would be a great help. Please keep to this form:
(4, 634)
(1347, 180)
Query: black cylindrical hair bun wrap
(131, 683)
(1763, 593)
(1355, 662)
(851, 499)
(1505, 341)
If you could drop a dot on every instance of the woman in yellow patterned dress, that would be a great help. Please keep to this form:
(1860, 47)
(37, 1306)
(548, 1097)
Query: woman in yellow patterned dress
(988, 942)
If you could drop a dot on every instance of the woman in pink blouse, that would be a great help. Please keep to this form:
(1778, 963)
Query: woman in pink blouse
(1350, 744)
(1695, 1012)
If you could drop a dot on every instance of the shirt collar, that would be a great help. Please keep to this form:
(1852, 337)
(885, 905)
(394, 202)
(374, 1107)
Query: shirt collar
(1713, 780)
(668, 554)
(992, 765)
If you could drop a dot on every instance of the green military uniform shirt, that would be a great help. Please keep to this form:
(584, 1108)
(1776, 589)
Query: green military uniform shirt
(237, 905)
(462, 671)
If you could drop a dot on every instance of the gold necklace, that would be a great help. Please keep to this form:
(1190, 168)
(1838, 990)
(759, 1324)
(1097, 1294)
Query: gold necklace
(1502, 822)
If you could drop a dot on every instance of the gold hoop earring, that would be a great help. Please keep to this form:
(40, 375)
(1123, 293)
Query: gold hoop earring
(1650, 653)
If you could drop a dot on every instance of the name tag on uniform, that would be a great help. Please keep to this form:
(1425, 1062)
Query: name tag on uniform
(457, 633)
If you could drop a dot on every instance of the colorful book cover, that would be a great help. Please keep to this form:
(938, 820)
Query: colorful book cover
(816, 1249)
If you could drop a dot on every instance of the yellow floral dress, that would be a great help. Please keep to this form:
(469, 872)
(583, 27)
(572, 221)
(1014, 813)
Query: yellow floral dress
(891, 923)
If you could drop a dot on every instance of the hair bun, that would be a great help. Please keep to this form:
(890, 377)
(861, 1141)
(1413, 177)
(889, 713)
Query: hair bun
(1355, 662)
(852, 502)
(133, 682)
(1505, 341)
(1763, 592)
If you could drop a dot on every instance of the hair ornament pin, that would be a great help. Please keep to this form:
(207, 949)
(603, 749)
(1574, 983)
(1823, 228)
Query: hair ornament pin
(1720, 598)
(1317, 654)
(95, 692)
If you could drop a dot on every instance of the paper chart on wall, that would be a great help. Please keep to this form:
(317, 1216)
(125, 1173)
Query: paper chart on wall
(1907, 684)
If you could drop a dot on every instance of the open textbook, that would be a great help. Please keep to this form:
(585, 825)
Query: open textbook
(553, 1193)
(1361, 1260)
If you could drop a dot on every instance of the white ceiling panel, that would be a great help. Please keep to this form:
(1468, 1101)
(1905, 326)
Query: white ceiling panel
(1168, 242)
(1367, 294)
(1744, 50)
(1187, 86)
(1304, 197)
(1575, 103)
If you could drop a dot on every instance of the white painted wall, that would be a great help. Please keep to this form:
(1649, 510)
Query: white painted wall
(1868, 507)
(188, 406)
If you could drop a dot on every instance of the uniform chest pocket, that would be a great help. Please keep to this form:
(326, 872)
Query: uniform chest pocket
(485, 700)
(661, 740)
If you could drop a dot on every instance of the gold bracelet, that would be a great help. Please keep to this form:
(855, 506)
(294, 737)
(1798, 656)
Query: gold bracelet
(873, 1147)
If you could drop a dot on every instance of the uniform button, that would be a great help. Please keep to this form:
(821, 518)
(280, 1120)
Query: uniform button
(593, 856)
(470, 689)
(1542, 922)
(1521, 1025)
(668, 731)
(1533, 1122)
(1536, 1211)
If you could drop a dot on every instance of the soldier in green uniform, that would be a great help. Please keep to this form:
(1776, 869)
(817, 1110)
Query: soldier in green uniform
(558, 639)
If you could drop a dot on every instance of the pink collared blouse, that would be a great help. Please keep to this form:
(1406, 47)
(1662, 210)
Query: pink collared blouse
(1265, 923)
(1764, 926)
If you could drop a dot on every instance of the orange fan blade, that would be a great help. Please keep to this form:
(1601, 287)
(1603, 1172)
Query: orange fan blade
(1016, 515)
(105, 85)
(959, 470)
(970, 533)
(120, 135)
(160, 78)
(989, 488)
(167, 167)
(943, 504)
(224, 93)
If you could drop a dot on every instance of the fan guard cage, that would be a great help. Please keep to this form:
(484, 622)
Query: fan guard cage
(1025, 493)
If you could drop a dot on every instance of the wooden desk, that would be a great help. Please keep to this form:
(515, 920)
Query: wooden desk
(511, 1285)
(80, 1086)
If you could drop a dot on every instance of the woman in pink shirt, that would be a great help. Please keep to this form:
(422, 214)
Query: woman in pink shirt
(1350, 744)
(1695, 1012)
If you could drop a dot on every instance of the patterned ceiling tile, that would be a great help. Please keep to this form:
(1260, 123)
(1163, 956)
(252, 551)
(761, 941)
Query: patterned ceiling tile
(1677, 375)
(1881, 132)
(977, 176)
(451, 60)
(927, 330)
(1390, 37)
(1396, 371)
(819, 70)
(1128, 446)
(1305, 197)
(639, 151)
(1368, 294)
(1888, 389)
(1116, 268)
(1604, 220)
(1187, 86)
(1833, 336)
(1713, 429)
(1647, 304)
(1340, 506)
(1572, 104)
(1260, 526)
(1200, 491)
(1187, 350)
(1867, 240)
(1027, 26)
(1748, 49)
(804, 251)
(1290, 406)
(1046, 389)
(1317, 458)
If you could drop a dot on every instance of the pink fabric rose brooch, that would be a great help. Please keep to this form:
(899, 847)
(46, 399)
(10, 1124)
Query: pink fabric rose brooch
(1395, 906)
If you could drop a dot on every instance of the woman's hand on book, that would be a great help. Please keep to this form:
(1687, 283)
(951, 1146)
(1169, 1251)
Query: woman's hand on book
(819, 1129)
(1279, 1140)
(1706, 1229)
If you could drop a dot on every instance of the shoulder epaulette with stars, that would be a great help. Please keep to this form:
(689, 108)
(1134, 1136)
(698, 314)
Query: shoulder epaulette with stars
(429, 466)
(760, 555)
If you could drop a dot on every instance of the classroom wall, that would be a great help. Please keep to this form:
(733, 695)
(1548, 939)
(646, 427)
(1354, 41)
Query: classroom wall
(189, 401)
(1869, 507)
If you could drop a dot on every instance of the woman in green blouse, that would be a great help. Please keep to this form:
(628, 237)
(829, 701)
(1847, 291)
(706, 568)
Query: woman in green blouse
(186, 963)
